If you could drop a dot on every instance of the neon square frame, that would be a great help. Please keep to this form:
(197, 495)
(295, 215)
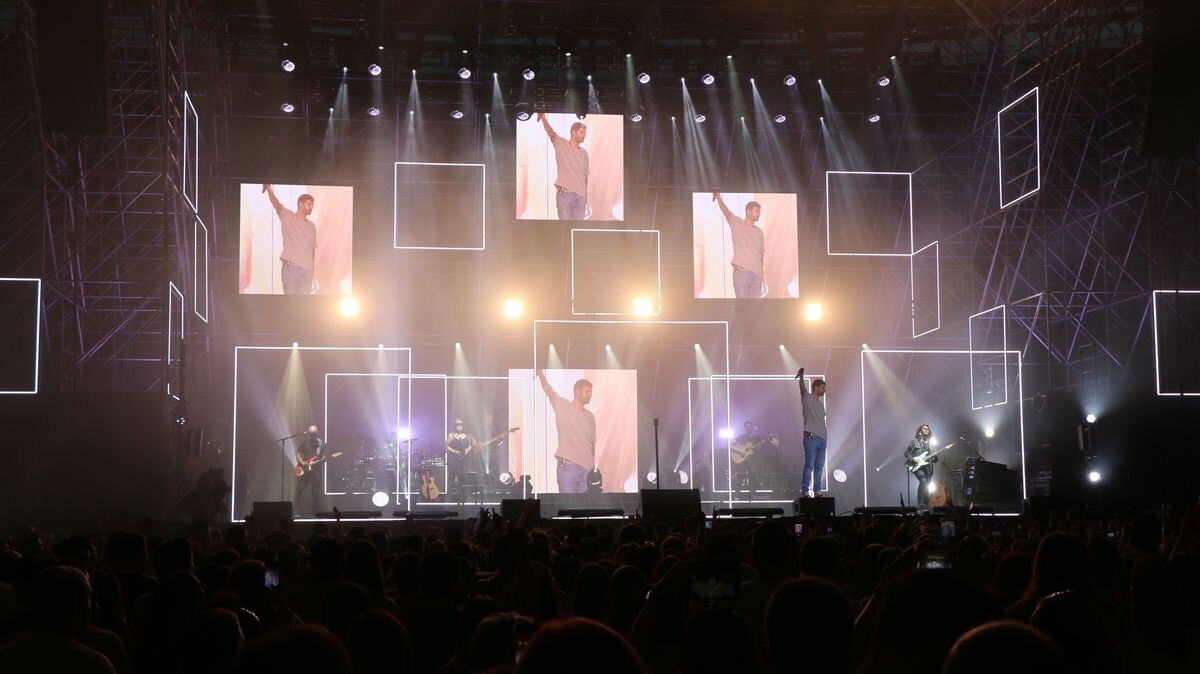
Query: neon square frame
(1004, 350)
(911, 240)
(723, 324)
(191, 179)
(37, 334)
(937, 261)
(482, 209)
(199, 290)
(1037, 145)
(172, 291)
(1154, 311)
(237, 352)
(657, 270)
(862, 364)
(728, 422)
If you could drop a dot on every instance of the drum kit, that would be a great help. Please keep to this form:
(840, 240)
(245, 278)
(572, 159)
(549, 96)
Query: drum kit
(375, 468)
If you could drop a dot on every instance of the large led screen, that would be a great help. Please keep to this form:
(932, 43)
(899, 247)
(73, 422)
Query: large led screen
(295, 239)
(570, 168)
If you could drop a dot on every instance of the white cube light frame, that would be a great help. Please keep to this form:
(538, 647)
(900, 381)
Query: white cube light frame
(236, 355)
(199, 252)
(657, 271)
(713, 431)
(191, 153)
(862, 364)
(172, 291)
(1003, 350)
(482, 205)
(1037, 145)
(937, 261)
(911, 240)
(724, 325)
(1157, 369)
(37, 335)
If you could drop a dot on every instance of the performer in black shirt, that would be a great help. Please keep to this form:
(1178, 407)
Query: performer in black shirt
(462, 449)
(308, 479)
(917, 447)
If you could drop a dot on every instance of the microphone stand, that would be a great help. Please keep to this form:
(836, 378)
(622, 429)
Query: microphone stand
(283, 461)
(659, 481)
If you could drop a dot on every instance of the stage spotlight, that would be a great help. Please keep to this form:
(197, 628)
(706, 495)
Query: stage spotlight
(652, 477)
(725, 433)
(567, 54)
(287, 107)
(464, 73)
(644, 77)
(506, 478)
(295, 345)
(589, 78)
(708, 79)
(789, 80)
(700, 118)
(933, 442)
(781, 347)
(839, 475)
(348, 306)
(404, 434)
(379, 499)
(373, 111)
(635, 117)
(551, 347)
(933, 488)
(524, 111)
(989, 432)
(381, 346)
(458, 345)
(642, 306)
(865, 346)
(1094, 476)
(581, 115)
(608, 347)
(287, 65)
(345, 70)
(682, 475)
(456, 114)
(812, 312)
(696, 345)
(513, 308)
(883, 81)
(729, 57)
(873, 118)
(1091, 418)
(374, 69)
(780, 119)
(331, 112)
(528, 74)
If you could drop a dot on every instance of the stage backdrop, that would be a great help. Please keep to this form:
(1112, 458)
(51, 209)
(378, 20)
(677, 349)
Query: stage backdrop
(261, 242)
(713, 244)
(614, 404)
(536, 168)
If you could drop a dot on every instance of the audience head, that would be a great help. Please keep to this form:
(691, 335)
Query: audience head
(1003, 647)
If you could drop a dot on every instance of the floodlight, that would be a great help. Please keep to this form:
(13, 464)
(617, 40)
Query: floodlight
(789, 80)
(528, 74)
(379, 499)
(287, 107)
(513, 308)
(1091, 418)
(456, 114)
(373, 111)
(374, 69)
(643, 306)
(348, 306)
(464, 73)
(883, 81)
(780, 119)
(813, 311)
(1094, 477)
(288, 65)
(873, 118)
(708, 79)
(644, 77)
(700, 118)
(725, 433)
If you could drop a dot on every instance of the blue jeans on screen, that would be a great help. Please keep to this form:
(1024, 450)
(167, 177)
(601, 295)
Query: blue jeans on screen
(572, 479)
(296, 280)
(571, 206)
(747, 284)
(814, 463)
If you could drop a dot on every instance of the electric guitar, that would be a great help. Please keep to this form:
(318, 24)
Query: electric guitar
(918, 461)
(744, 450)
(307, 466)
(485, 443)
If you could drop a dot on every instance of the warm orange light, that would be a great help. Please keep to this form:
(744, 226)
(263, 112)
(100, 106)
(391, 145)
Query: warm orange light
(812, 311)
(513, 308)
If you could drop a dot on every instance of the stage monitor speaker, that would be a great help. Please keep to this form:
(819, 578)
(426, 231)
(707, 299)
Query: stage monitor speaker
(670, 505)
(72, 67)
(511, 509)
(821, 506)
(271, 512)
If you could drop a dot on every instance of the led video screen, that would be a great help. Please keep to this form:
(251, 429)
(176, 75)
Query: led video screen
(744, 245)
(295, 239)
(570, 168)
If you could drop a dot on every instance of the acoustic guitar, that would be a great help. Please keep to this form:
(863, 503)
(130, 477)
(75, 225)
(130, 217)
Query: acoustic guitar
(743, 450)
(429, 487)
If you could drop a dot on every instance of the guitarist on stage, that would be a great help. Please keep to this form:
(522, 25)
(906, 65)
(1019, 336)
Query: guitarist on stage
(744, 471)
(308, 452)
(918, 448)
(462, 453)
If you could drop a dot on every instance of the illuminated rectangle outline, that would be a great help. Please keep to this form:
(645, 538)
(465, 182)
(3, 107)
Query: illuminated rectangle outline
(862, 370)
(172, 291)
(657, 271)
(911, 239)
(937, 259)
(197, 291)
(1154, 311)
(237, 351)
(1037, 145)
(724, 324)
(37, 333)
(194, 199)
(482, 210)
(1003, 345)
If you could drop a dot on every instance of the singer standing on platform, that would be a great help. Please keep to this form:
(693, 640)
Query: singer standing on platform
(813, 405)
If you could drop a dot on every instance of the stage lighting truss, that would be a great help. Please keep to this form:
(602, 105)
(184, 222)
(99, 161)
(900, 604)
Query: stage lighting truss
(173, 291)
(1032, 97)
(911, 242)
(200, 269)
(1158, 386)
(37, 334)
(863, 400)
(1003, 309)
(482, 206)
(237, 351)
(912, 288)
(624, 302)
(635, 324)
(190, 187)
(714, 431)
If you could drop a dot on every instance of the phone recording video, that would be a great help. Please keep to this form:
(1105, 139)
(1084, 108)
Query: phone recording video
(799, 528)
(271, 578)
(935, 560)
